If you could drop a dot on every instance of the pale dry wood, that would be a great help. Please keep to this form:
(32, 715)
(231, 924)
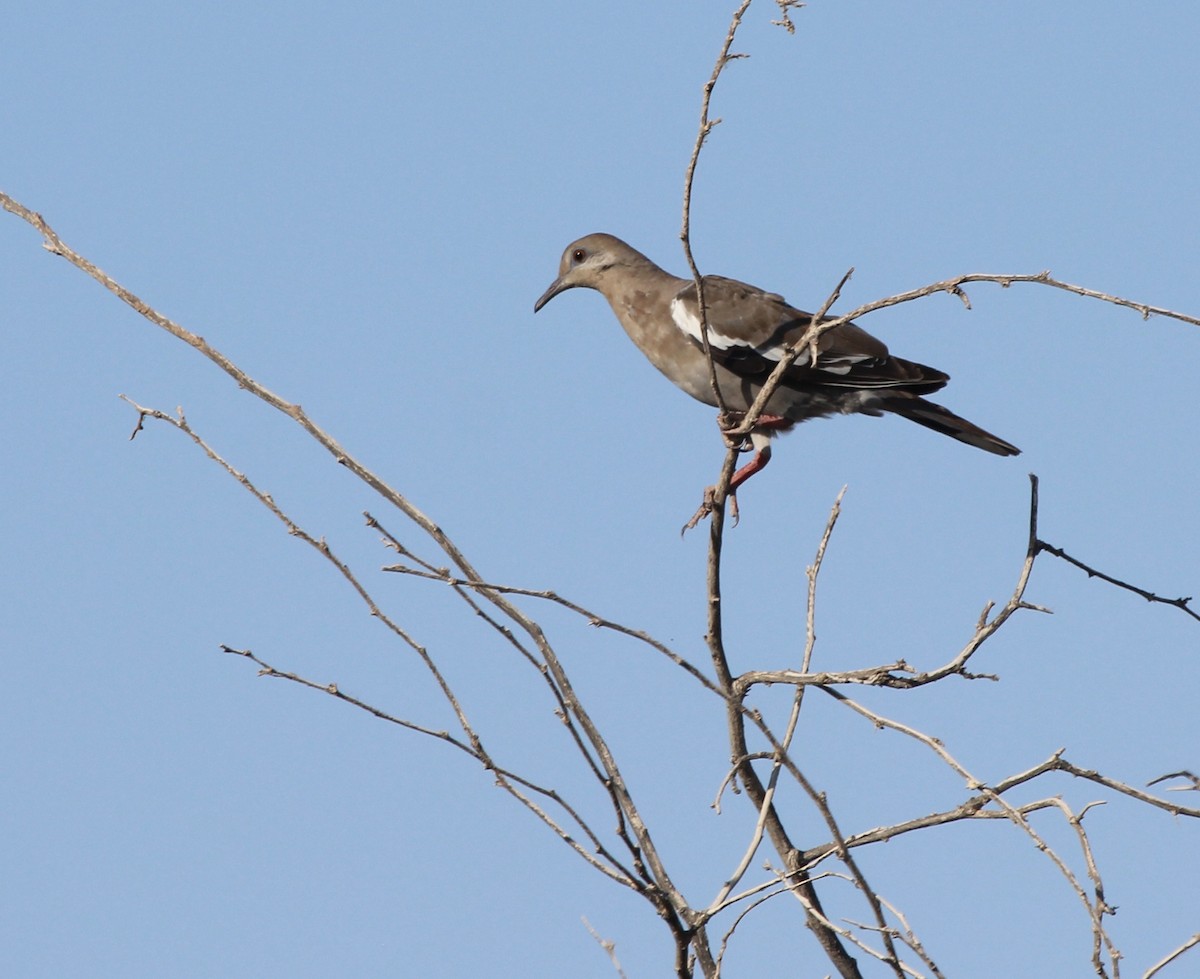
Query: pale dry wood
(1171, 957)
(688, 924)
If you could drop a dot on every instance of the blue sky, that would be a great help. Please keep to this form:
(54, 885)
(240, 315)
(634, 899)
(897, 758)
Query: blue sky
(359, 204)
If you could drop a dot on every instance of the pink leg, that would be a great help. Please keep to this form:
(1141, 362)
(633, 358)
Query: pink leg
(760, 460)
(762, 455)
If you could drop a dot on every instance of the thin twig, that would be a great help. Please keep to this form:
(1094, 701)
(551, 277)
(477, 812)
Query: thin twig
(836, 952)
(464, 589)
(180, 423)
(909, 937)
(474, 744)
(1099, 906)
(899, 968)
(812, 572)
(768, 800)
(675, 905)
(1189, 776)
(1171, 956)
(974, 807)
(952, 286)
(506, 779)
(1013, 813)
(900, 675)
(598, 621)
(1179, 603)
(685, 233)
(608, 945)
(777, 890)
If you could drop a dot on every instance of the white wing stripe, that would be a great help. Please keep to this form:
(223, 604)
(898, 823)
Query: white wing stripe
(689, 323)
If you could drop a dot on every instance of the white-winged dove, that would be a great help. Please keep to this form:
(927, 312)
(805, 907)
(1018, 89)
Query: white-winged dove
(748, 332)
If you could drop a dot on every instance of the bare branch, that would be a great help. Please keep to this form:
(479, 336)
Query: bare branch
(909, 937)
(608, 945)
(952, 286)
(776, 890)
(443, 575)
(1098, 906)
(829, 941)
(900, 675)
(647, 874)
(685, 234)
(475, 748)
(781, 750)
(974, 807)
(613, 779)
(785, 20)
(179, 422)
(811, 573)
(1063, 765)
(899, 968)
(506, 779)
(1194, 779)
(1171, 956)
(1180, 603)
(1014, 814)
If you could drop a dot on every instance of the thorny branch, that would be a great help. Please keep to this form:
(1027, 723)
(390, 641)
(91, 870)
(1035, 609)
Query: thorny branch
(834, 939)
(1179, 603)
(953, 286)
(432, 573)
(473, 744)
(643, 870)
(706, 126)
(760, 797)
(658, 887)
(985, 803)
